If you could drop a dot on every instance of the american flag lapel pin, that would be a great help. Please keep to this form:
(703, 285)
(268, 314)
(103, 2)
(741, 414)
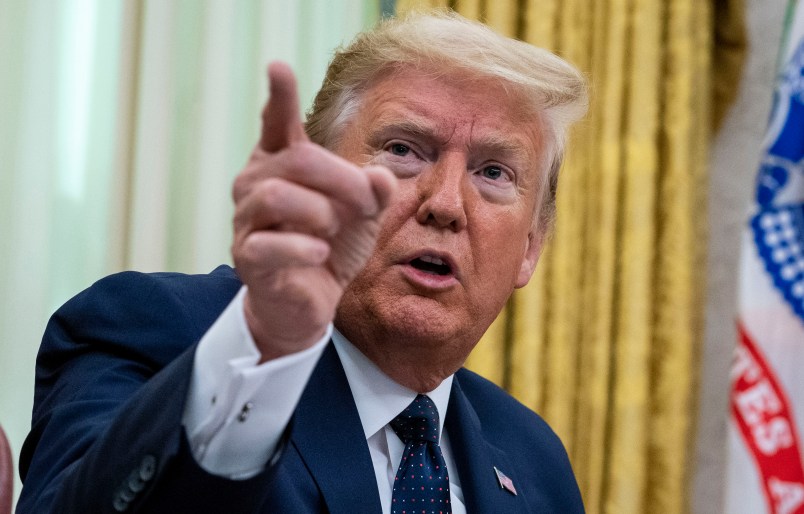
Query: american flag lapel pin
(505, 482)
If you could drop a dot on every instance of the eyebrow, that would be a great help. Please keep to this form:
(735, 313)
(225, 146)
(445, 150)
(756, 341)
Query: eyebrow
(500, 143)
(408, 126)
(494, 142)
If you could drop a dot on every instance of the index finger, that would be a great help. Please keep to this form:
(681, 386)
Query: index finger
(281, 119)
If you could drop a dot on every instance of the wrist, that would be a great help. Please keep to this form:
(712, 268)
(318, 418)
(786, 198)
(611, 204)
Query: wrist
(275, 340)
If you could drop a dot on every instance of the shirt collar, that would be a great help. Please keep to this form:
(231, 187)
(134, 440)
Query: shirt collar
(378, 398)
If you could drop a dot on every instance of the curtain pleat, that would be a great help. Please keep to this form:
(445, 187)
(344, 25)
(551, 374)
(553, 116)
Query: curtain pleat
(635, 262)
(685, 139)
(529, 310)
(502, 15)
(604, 340)
(541, 20)
(566, 250)
(471, 9)
(606, 122)
(489, 356)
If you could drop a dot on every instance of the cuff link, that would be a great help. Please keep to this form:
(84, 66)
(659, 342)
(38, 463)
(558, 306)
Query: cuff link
(244, 412)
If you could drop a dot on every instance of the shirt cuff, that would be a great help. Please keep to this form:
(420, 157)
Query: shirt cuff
(237, 410)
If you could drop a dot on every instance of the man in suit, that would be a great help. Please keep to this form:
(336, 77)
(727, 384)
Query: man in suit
(373, 248)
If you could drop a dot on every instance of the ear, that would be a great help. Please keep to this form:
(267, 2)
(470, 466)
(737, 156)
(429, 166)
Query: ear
(533, 250)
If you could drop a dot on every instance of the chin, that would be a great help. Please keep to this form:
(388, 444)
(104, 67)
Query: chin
(364, 310)
(424, 327)
(426, 324)
(415, 340)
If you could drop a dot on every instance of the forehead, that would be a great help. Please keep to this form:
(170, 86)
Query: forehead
(447, 105)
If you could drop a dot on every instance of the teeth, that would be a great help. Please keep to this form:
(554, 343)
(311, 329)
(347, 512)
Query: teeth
(432, 260)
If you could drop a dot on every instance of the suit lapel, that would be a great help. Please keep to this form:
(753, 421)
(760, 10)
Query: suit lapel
(476, 459)
(329, 437)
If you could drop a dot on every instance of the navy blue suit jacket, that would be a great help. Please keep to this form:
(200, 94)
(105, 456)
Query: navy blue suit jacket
(111, 381)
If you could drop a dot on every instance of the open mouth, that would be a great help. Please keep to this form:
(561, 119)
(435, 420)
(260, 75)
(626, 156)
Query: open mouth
(431, 265)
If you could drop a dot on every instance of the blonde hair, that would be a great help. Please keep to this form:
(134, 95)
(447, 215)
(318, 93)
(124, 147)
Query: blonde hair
(552, 90)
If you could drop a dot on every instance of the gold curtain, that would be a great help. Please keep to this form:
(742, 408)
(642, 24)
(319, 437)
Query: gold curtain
(604, 340)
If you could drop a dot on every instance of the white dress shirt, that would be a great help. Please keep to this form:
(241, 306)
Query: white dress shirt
(237, 410)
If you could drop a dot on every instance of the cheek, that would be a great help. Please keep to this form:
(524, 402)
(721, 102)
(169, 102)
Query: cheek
(500, 251)
(403, 208)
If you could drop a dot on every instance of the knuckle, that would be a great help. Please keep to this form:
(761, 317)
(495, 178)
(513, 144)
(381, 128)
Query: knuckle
(270, 190)
(259, 167)
(242, 215)
(240, 254)
(297, 159)
(248, 252)
(240, 186)
(257, 207)
(303, 155)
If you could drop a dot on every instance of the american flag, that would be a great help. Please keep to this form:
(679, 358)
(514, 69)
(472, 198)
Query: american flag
(505, 482)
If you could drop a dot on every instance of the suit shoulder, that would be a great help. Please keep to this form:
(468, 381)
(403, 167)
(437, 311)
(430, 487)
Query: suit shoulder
(147, 311)
(130, 284)
(488, 397)
(502, 414)
(140, 292)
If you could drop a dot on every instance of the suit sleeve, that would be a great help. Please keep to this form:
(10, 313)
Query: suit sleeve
(112, 378)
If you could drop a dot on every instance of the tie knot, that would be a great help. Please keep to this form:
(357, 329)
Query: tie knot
(418, 422)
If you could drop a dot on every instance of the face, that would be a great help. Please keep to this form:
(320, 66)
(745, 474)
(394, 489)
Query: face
(459, 235)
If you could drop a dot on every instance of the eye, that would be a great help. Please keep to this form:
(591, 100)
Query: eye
(399, 149)
(403, 158)
(492, 172)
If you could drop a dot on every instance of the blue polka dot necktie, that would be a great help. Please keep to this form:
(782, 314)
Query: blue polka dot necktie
(421, 485)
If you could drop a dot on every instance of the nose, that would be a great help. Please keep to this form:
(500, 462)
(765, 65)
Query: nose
(442, 196)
